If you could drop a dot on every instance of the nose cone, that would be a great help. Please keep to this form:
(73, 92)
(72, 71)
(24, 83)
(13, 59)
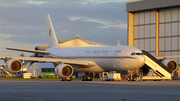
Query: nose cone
(140, 61)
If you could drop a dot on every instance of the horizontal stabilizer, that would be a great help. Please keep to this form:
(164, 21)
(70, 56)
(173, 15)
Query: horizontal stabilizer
(27, 50)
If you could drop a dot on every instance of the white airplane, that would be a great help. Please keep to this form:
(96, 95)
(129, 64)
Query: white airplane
(81, 59)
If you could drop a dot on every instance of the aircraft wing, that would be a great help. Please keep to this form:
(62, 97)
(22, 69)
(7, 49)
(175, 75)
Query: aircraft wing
(67, 61)
(167, 57)
(27, 50)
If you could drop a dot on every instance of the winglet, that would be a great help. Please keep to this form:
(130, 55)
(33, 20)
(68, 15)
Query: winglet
(52, 39)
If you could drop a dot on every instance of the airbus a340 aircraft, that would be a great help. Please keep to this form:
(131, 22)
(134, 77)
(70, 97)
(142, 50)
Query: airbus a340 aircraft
(81, 59)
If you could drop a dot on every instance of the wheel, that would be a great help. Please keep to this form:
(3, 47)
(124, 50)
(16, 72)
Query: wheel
(65, 79)
(71, 78)
(62, 79)
(86, 79)
(129, 79)
(82, 78)
(103, 79)
(133, 78)
(91, 77)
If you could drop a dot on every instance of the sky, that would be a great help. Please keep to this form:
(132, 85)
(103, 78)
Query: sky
(22, 22)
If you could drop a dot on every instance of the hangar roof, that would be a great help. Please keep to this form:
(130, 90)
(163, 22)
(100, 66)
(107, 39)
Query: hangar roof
(80, 43)
(74, 43)
(143, 5)
(45, 65)
(38, 65)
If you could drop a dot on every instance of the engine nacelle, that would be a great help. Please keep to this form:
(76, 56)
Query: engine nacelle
(171, 64)
(13, 66)
(63, 70)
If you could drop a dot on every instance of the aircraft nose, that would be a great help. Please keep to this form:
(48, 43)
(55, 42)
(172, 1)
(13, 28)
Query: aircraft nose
(140, 61)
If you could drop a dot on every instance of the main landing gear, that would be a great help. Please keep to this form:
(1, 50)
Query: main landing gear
(131, 78)
(87, 77)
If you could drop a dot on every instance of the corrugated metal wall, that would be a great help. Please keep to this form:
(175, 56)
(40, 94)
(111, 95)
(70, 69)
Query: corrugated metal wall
(169, 33)
(145, 31)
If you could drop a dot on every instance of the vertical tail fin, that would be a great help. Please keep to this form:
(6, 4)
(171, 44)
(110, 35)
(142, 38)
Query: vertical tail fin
(52, 39)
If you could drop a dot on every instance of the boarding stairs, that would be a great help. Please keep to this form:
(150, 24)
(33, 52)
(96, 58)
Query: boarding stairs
(157, 67)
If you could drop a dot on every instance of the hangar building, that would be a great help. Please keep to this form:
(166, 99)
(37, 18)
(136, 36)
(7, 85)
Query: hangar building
(154, 26)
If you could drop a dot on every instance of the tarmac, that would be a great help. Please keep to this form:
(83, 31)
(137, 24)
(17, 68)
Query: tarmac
(23, 90)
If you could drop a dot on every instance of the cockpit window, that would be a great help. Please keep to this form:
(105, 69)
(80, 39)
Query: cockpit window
(132, 53)
(136, 53)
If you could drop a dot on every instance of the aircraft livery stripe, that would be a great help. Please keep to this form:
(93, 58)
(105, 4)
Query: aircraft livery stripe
(92, 57)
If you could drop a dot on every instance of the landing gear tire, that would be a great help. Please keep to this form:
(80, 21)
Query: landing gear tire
(87, 78)
(133, 78)
(83, 77)
(91, 77)
(64, 79)
(71, 78)
(129, 79)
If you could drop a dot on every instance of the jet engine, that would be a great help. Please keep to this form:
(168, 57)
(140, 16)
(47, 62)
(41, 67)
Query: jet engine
(63, 70)
(171, 64)
(13, 65)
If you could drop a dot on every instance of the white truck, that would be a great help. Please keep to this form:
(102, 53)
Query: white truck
(104, 76)
(111, 77)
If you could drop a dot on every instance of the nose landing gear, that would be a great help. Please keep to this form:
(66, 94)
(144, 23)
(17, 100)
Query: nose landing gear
(132, 77)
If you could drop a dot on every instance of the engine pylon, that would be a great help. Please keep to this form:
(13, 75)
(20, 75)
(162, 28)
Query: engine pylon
(6, 71)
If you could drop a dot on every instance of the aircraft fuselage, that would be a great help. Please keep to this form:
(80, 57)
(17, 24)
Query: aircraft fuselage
(108, 58)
